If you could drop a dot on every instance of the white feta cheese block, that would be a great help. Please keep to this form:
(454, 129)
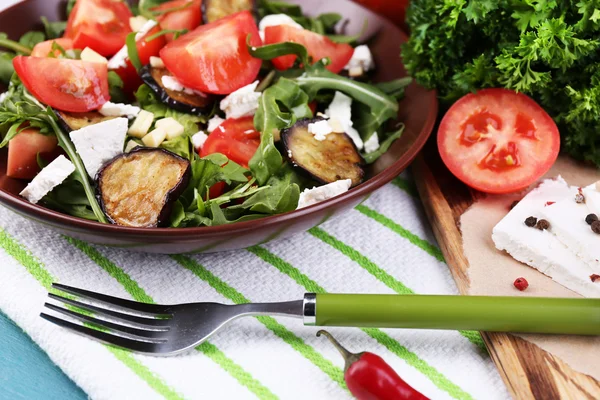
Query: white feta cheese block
(214, 123)
(241, 103)
(90, 55)
(119, 60)
(361, 61)
(340, 115)
(141, 125)
(156, 62)
(198, 139)
(372, 143)
(53, 175)
(109, 109)
(567, 223)
(541, 249)
(592, 198)
(322, 193)
(320, 129)
(275, 20)
(98, 143)
(172, 83)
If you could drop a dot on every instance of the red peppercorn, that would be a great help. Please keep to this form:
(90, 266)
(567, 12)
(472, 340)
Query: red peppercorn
(369, 377)
(594, 277)
(521, 284)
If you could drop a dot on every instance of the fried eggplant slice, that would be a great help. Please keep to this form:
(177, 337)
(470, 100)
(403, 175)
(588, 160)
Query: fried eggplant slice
(327, 160)
(194, 103)
(73, 121)
(138, 188)
(213, 10)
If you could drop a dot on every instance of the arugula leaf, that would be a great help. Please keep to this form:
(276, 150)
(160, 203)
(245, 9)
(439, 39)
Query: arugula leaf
(132, 51)
(280, 106)
(115, 88)
(69, 197)
(13, 46)
(6, 66)
(181, 145)
(30, 39)
(149, 102)
(54, 30)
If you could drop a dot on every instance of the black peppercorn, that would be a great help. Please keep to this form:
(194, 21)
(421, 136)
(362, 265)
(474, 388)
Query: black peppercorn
(531, 221)
(596, 227)
(542, 225)
(591, 218)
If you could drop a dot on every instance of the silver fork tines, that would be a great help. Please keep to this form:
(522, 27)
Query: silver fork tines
(153, 328)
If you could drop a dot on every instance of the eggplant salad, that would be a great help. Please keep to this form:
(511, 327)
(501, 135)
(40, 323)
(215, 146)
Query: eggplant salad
(190, 113)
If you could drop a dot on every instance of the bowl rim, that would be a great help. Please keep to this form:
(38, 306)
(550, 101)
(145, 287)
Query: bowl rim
(387, 175)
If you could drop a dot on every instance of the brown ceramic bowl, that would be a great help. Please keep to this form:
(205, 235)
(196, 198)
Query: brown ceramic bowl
(418, 111)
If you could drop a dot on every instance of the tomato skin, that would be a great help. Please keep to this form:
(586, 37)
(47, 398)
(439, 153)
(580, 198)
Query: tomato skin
(102, 25)
(498, 141)
(68, 85)
(231, 140)
(128, 74)
(188, 18)
(318, 47)
(43, 49)
(214, 58)
(23, 150)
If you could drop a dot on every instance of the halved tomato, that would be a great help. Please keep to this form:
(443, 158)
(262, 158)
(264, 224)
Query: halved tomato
(214, 58)
(23, 150)
(235, 138)
(498, 140)
(178, 15)
(44, 49)
(318, 47)
(101, 25)
(68, 85)
(128, 74)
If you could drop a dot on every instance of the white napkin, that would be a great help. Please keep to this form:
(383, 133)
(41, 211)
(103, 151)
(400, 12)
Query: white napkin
(383, 246)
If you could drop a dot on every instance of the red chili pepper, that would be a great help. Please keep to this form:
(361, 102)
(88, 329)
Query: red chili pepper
(369, 377)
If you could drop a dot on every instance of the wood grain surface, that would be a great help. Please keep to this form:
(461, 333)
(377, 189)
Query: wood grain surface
(528, 371)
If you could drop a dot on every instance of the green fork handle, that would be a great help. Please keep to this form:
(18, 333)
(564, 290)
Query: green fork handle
(495, 314)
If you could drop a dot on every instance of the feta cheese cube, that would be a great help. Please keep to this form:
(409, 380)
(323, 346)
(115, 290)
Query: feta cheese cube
(542, 250)
(241, 103)
(98, 143)
(155, 138)
(156, 62)
(141, 125)
(322, 193)
(567, 223)
(53, 175)
(119, 110)
(198, 140)
(137, 23)
(361, 61)
(340, 112)
(214, 123)
(275, 20)
(171, 127)
(320, 129)
(372, 144)
(90, 55)
(132, 144)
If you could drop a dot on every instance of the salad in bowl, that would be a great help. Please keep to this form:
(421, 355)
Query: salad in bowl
(187, 114)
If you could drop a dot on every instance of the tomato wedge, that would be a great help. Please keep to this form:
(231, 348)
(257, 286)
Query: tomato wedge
(214, 58)
(235, 138)
(101, 25)
(498, 140)
(23, 150)
(318, 47)
(178, 15)
(128, 74)
(44, 49)
(68, 85)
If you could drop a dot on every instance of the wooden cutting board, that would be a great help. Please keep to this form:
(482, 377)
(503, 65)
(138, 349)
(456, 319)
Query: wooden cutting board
(528, 371)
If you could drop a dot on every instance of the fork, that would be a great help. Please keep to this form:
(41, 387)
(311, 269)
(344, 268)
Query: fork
(171, 329)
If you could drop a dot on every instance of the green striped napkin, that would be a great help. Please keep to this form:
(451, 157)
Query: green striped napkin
(382, 246)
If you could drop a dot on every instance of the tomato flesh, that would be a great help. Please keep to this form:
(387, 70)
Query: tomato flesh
(235, 138)
(102, 25)
(186, 14)
(129, 74)
(68, 85)
(44, 49)
(318, 47)
(23, 150)
(214, 58)
(498, 141)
